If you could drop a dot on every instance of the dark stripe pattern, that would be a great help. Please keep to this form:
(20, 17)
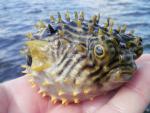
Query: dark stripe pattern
(66, 37)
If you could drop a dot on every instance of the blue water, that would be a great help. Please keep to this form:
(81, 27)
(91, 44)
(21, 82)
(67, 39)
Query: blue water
(17, 17)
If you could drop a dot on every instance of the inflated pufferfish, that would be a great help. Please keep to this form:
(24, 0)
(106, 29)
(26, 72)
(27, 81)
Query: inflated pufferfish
(76, 60)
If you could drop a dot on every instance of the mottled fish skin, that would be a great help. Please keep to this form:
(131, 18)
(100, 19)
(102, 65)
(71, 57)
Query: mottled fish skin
(72, 60)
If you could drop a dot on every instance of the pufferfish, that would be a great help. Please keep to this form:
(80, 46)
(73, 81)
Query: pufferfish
(72, 60)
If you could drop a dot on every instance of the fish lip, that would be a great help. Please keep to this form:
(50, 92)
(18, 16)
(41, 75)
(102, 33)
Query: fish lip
(126, 76)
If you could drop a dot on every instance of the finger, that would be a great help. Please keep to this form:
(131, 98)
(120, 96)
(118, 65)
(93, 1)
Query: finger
(71, 108)
(98, 102)
(144, 57)
(24, 98)
(133, 97)
(4, 102)
(83, 107)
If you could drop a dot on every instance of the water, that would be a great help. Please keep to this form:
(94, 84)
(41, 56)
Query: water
(17, 17)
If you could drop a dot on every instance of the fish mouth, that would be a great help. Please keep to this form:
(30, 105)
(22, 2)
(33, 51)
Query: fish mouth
(125, 72)
(116, 77)
(121, 73)
(126, 76)
(125, 69)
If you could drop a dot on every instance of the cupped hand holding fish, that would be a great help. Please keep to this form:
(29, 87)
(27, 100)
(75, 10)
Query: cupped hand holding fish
(17, 96)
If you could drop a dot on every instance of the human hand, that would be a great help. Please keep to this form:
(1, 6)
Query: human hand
(17, 96)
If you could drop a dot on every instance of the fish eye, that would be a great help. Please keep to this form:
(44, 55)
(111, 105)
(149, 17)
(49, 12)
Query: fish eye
(98, 50)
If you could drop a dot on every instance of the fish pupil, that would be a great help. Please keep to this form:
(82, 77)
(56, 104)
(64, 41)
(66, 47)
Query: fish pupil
(99, 50)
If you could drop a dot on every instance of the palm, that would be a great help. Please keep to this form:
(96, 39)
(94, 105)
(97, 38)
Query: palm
(24, 99)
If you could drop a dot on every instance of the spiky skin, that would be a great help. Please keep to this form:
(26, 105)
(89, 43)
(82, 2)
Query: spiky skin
(76, 60)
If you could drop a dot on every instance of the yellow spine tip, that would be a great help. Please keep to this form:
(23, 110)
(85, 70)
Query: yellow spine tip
(33, 85)
(60, 92)
(31, 80)
(76, 100)
(75, 93)
(53, 98)
(40, 92)
(54, 101)
(64, 101)
(66, 81)
(86, 91)
(53, 73)
(45, 83)
(52, 18)
(43, 94)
